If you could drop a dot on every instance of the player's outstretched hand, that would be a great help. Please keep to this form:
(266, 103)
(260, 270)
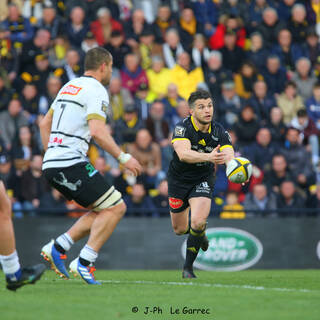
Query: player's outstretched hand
(216, 156)
(134, 166)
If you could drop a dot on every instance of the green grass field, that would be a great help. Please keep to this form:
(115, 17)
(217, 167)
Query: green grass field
(246, 295)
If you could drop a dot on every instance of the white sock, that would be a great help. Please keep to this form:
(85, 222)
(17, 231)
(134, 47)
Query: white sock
(65, 241)
(87, 253)
(10, 263)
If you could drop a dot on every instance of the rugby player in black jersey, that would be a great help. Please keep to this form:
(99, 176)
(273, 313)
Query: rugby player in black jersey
(199, 144)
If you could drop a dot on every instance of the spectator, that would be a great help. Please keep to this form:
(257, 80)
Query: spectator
(24, 148)
(313, 12)
(89, 42)
(159, 130)
(255, 13)
(236, 8)
(11, 121)
(9, 59)
(50, 20)
(76, 27)
(33, 186)
(119, 98)
(185, 76)
(53, 85)
(232, 208)
(257, 53)
(233, 56)
(182, 111)
(188, 27)
(274, 75)
(132, 75)
(261, 151)
(270, 26)
(228, 23)
(148, 153)
(216, 74)
(164, 20)
(289, 202)
(313, 105)
(245, 79)
(127, 127)
(141, 102)
(200, 53)
(118, 48)
(39, 45)
(309, 133)
(101, 165)
(312, 46)
(72, 68)
(313, 203)
(303, 78)
(284, 9)
(289, 102)
(134, 27)
(139, 204)
(289, 53)
(103, 27)
(161, 199)
(261, 101)
(171, 101)
(298, 25)
(58, 51)
(260, 203)
(299, 160)
(158, 79)
(229, 106)
(279, 173)
(148, 48)
(5, 96)
(37, 73)
(247, 125)
(30, 102)
(172, 47)
(19, 29)
(276, 126)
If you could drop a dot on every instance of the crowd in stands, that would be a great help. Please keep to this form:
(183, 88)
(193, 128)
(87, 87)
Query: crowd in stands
(259, 59)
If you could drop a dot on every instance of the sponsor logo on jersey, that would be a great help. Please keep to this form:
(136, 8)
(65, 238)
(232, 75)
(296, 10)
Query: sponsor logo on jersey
(71, 89)
(179, 131)
(56, 140)
(104, 106)
(229, 250)
(202, 142)
(175, 203)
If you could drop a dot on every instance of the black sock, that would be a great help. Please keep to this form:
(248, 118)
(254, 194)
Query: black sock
(193, 245)
(59, 248)
(84, 262)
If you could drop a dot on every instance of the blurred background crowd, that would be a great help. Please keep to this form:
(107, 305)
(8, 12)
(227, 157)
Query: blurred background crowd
(259, 59)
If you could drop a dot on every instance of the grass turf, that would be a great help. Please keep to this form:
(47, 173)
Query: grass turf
(245, 295)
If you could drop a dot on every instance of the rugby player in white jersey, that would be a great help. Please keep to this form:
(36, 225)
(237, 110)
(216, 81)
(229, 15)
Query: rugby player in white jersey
(78, 114)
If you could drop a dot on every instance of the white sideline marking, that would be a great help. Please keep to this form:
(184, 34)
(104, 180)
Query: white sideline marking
(212, 285)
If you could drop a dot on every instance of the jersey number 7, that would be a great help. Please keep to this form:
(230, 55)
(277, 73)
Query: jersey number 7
(63, 108)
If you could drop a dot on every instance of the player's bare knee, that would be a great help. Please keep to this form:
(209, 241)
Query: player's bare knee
(198, 224)
(178, 230)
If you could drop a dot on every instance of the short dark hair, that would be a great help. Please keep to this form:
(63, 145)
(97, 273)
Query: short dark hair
(196, 95)
(302, 113)
(96, 57)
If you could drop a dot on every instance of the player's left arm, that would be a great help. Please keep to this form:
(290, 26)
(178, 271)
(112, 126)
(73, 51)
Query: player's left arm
(45, 128)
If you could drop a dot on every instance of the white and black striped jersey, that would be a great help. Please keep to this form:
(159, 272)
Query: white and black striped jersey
(78, 101)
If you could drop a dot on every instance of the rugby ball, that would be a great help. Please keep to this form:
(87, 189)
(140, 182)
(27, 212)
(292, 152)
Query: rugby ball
(239, 170)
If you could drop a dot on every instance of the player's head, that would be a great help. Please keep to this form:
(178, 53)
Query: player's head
(99, 60)
(200, 103)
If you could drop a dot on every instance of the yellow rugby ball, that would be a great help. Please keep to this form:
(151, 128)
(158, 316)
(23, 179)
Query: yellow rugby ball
(239, 170)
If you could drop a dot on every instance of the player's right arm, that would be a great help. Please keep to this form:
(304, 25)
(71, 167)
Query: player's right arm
(101, 135)
(183, 149)
(45, 128)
